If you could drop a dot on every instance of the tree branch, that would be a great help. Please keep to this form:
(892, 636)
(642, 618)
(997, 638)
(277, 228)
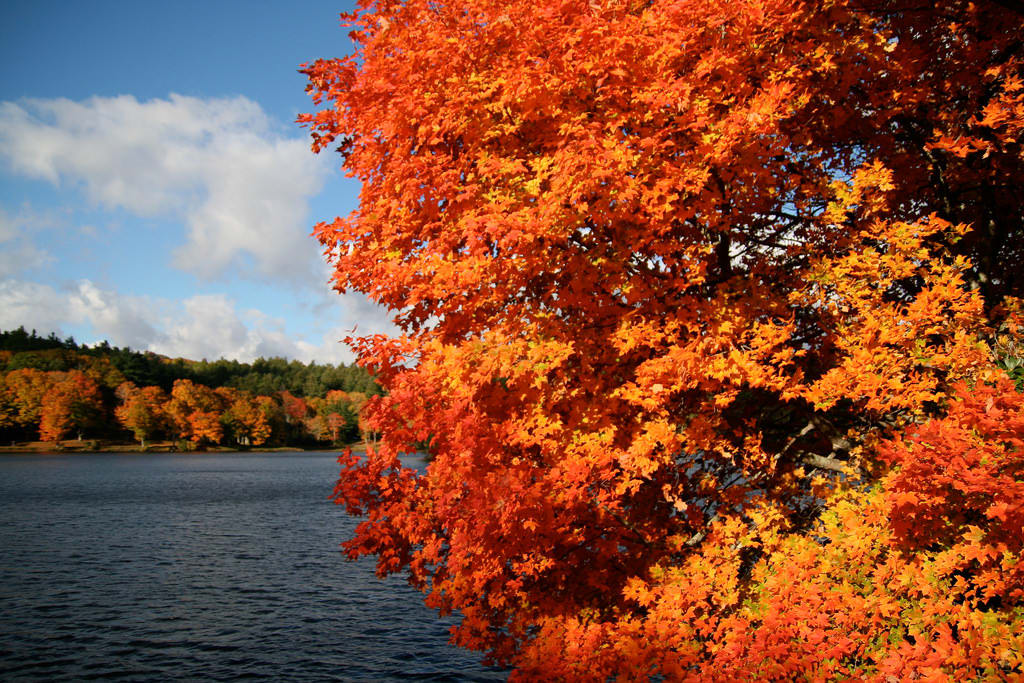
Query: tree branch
(829, 462)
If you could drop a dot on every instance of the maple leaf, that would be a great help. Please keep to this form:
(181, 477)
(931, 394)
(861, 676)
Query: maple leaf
(678, 284)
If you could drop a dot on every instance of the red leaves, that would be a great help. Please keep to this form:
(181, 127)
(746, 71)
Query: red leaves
(960, 487)
(667, 273)
(966, 468)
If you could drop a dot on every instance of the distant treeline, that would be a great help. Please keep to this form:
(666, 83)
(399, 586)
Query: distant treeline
(54, 389)
(20, 349)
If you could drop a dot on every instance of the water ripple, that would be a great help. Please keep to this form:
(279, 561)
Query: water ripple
(220, 567)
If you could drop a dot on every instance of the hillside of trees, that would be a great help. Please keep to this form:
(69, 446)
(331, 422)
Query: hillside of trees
(53, 389)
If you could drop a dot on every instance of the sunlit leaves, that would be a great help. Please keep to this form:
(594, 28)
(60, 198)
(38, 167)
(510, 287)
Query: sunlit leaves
(142, 410)
(668, 274)
(72, 402)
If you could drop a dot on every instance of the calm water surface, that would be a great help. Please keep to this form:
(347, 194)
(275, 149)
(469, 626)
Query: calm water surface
(154, 567)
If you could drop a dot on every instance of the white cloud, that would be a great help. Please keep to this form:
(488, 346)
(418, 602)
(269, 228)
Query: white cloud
(34, 306)
(240, 186)
(211, 326)
(207, 326)
(17, 252)
(124, 321)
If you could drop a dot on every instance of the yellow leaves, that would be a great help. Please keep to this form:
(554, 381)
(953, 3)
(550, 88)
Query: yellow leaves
(883, 341)
(818, 594)
(637, 332)
(866, 192)
(636, 251)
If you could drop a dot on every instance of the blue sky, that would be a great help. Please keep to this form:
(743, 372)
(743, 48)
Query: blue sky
(154, 188)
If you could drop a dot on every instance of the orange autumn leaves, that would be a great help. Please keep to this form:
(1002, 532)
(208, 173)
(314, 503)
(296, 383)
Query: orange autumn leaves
(672, 278)
(75, 403)
(58, 403)
(910, 584)
(960, 485)
(71, 402)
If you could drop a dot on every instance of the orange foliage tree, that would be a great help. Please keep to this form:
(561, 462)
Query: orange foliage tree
(142, 410)
(247, 416)
(295, 408)
(195, 412)
(71, 403)
(341, 412)
(297, 415)
(687, 290)
(23, 392)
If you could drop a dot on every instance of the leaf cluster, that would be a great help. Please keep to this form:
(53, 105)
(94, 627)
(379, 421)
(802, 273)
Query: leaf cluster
(670, 277)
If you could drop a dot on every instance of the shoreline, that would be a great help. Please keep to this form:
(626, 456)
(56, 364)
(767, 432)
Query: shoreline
(84, 446)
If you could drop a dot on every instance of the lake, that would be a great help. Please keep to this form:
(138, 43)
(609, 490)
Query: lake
(201, 566)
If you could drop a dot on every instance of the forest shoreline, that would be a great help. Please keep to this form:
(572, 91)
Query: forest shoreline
(89, 446)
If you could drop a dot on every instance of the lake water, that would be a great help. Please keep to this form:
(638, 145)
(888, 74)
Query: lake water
(219, 567)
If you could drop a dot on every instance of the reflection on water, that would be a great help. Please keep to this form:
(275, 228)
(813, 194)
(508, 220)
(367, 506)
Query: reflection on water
(150, 567)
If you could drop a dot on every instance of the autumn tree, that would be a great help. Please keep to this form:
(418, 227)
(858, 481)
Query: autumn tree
(142, 410)
(72, 403)
(195, 412)
(23, 397)
(7, 409)
(295, 408)
(273, 413)
(247, 416)
(340, 411)
(300, 422)
(698, 301)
